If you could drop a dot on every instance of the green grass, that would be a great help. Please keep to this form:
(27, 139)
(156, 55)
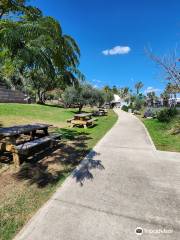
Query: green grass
(161, 135)
(22, 192)
(21, 113)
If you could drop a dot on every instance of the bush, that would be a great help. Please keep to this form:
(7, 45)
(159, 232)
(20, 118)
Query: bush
(163, 115)
(172, 112)
(138, 103)
(149, 113)
(125, 108)
(166, 114)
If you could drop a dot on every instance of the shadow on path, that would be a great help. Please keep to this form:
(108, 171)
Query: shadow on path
(83, 172)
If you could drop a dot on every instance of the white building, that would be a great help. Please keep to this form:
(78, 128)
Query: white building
(118, 102)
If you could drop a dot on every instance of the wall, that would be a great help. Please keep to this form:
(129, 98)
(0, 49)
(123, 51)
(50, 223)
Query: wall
(11, 96)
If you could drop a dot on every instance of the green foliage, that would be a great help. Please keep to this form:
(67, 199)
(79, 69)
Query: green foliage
(163, 115)
(139, 102)
(138, 86)
(108, 97)
(114, 90)
(34, 51)
(172, 111)
(125, 108)
(166, 114)
(82, 95)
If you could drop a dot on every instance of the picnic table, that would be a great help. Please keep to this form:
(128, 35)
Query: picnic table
(9, 139)
(100, 112)
(82, 119)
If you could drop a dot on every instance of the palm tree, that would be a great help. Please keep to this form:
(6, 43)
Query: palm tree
(138, 86)
(107, 89)
(124, 92)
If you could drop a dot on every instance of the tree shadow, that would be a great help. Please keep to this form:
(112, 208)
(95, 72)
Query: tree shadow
(83, 172)
(73, 134)
(53, 164)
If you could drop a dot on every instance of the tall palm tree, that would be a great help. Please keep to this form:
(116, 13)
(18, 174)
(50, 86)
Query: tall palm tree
(138, 86)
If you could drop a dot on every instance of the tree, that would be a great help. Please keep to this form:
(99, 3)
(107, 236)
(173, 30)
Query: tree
(114, 90)
(124, 93)
(82, 95)
(139, 101)
(106, 89)
(138, 86)
(36, 52)
(169, 64)
(172, 89)
(108, 97)
(151, 97)
(17, 7)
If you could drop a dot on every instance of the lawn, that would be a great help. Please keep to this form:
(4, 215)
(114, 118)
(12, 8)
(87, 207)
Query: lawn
(22, 192)
(161, 134)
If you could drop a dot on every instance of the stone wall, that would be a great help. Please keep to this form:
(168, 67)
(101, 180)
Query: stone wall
(11, 96)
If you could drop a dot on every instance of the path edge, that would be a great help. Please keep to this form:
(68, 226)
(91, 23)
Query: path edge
(147, 132)
(42, 209)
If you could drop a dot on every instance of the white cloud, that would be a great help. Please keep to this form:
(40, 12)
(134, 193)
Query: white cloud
(117, 50)
(152, 89)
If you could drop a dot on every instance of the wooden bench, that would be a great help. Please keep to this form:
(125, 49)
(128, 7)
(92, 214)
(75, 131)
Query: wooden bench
(26, 148)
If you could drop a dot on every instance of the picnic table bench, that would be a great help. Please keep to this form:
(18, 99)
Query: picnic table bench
(100, 112)
(82, 119)
(9, 139)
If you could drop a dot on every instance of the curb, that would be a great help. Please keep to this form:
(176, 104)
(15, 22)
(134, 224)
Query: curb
(68, 180)
(150, 139)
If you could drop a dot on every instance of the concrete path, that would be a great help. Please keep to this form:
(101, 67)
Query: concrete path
(124, 184)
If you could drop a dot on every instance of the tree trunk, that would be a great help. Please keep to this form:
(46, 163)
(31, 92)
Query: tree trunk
(41, 97)
(80, 108)
(1, 14)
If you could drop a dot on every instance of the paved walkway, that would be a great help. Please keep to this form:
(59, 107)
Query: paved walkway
(132, 185)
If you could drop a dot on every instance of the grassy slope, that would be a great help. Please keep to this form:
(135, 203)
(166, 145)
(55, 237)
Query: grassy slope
(21, 196)
(161, 134)
(19, 113)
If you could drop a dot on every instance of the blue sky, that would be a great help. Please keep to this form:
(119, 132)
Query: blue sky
(99, 25)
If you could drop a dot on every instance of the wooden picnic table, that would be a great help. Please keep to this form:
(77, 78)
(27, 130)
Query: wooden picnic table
(23, 129)
(82, 116)
(10, 135)
(100, 112)
(82, 119)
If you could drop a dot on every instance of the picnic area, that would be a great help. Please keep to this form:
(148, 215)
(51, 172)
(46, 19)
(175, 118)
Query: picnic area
(25, 188)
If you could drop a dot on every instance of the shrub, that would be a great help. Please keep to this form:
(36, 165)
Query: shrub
(149, 113)
(125, 108)
(166, 114)
(163, 115)
(138, 103)
(172, 112)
